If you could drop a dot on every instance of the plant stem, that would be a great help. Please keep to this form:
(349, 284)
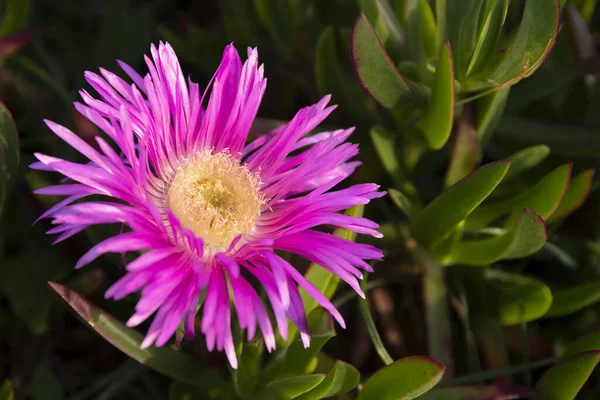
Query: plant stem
(437, 318)
(372, 329)
(440, 16)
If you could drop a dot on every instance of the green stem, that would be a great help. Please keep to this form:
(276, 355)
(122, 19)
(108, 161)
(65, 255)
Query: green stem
(372, 329)
(437, 316)
(440, 16)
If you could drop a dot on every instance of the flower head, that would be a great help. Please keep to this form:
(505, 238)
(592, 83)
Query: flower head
(206, 210)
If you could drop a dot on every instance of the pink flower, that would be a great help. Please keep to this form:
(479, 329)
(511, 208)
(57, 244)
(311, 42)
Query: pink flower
(205, 209)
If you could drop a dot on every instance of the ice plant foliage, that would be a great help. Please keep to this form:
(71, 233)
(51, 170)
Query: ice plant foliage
(206, 211)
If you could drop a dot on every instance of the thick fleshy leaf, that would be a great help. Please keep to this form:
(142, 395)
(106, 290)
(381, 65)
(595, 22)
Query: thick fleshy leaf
(578, 190)
(44, 384)
(341, 379)
(564, 380)
(518, 298)
(6, 392)
(328, 73)
(414, 44)
(498, 392)
(450, 16)
(467, 38)
(371, 10)
(464, 150)
(293, 358)
(428, 29)
(24, 283)
(385, 146)
(543, 198)
(402, 202)
(291, 388)
(436, 123)
(275, 16)
(407, 378)
(457, 203)
(15, 13)
(586, 343)
(324, 280)
(562, 139)
(530, 47)
(527, 236)
(489, 33)
(298, 359)
(489, 111)
(165, 360)
(572, 299)
(374, 68)
(524, 160)
(9, 151)
(249, 356)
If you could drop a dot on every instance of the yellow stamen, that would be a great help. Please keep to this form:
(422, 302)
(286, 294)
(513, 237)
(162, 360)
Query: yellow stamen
(215, 197)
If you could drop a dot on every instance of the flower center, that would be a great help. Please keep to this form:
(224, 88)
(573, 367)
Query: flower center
(215, 197)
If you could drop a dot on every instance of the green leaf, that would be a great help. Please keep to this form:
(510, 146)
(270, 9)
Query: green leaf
(562, 139)
(249, 357)
(464, 151)
(275, 16)
(241, 23)
(290, 388)
(324, 280)
(543, 198)
(292, 357)
(455, 11)
(327, 69)
(467, 38)
(530, 47)
(489, 111)
(456, 203)
(385, 146)
(527, 236)
(489, 34)
(374, 68)
(197, 41)
(45, 384)
(6, 392)
(524, 160)
(518, 298)
(436, 123)
(586, 343)
(569, 300)
(341, 379)
(564, 380)
(428, 29)
(416, 50)
(545, 82)
(402, 202)
(371, 10)
(577, 192)
(499, 392)
(9, 151)
(15, 14)
(407, 378)
(165, 360)
(298, 358)
(24, 283)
